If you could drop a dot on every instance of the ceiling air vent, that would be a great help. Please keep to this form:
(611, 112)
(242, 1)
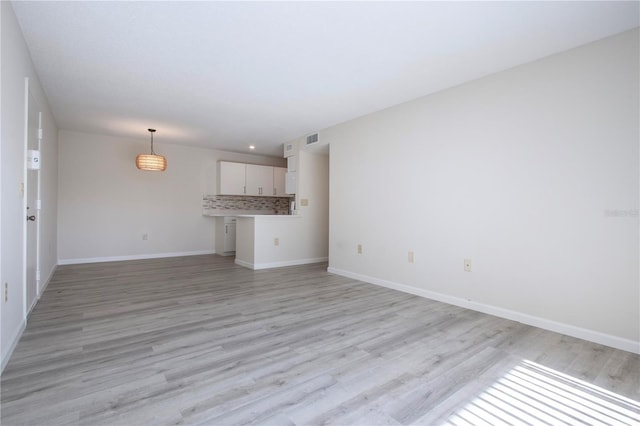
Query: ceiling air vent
(312, 139)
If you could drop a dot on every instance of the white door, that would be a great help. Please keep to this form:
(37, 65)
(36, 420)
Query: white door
(32, 212)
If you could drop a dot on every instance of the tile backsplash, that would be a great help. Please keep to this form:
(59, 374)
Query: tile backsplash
(222, 204)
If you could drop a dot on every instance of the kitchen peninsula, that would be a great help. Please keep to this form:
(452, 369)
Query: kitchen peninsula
(270, 241)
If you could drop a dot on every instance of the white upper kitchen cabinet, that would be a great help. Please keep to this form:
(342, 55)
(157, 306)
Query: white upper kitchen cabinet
(259, 180)
(279, 175)
(231, 178)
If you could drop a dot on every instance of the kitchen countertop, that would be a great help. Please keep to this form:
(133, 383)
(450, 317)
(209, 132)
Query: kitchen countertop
(236, 213)
(268, 216)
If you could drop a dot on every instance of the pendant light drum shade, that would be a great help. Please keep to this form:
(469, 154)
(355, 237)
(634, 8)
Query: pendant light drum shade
(151, 162)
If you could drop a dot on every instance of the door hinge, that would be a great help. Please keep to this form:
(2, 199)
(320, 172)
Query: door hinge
(37, 275)
(39, 204)
(40, 134)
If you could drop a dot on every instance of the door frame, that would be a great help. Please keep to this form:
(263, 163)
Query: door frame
(25, 198)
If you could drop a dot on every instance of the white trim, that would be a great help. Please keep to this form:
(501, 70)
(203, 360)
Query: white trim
(25, 195)
(2, 143)
(39, 217)
(41, 290)
(23, 326)
(12, 346)
(132, 257)
(547, 324)
(33, 305)
(281, 264)
(243, 263)
(47, 281)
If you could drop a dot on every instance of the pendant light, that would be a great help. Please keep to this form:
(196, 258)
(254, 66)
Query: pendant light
(151, 162)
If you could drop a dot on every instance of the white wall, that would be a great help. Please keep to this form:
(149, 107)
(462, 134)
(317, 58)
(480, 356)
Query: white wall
(16, 65)
(313, 185)
(532, 173)
(106, 204)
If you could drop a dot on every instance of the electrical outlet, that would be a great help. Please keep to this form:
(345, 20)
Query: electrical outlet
(467, 265)
(304, 202)
(276, 241)
(359, 248)
(410, 257)
(6, 292)
(145, 237)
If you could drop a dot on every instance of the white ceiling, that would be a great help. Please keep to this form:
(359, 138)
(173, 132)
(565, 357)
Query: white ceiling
(230, 74)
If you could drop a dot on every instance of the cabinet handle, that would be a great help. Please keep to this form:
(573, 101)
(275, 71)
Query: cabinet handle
(244, 189)
(226, 229)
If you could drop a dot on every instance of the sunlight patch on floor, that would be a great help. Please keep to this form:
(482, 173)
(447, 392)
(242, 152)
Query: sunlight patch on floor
(533, 394)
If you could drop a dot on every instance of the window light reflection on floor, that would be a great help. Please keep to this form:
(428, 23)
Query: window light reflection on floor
(533, 394)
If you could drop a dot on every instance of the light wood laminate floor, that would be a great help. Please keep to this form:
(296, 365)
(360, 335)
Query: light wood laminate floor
(199, 340)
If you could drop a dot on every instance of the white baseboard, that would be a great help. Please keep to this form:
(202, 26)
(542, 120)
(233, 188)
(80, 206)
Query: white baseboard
(132, 257)
(41, 290)
(48, 280)
(281, 264)
(13, 342)
(6, 356)
(33, 305)
(558, 327)
(243, 263)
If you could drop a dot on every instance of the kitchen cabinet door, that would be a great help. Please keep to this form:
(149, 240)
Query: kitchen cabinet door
(231, 179)
(279, 175)
(225, 235)
(259, 180)
(230, 237)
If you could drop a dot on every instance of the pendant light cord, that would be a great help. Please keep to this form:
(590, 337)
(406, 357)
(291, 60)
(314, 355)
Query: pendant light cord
(151, 131)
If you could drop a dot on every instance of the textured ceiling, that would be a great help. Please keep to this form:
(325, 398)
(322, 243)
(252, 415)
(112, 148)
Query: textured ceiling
(230, 74)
